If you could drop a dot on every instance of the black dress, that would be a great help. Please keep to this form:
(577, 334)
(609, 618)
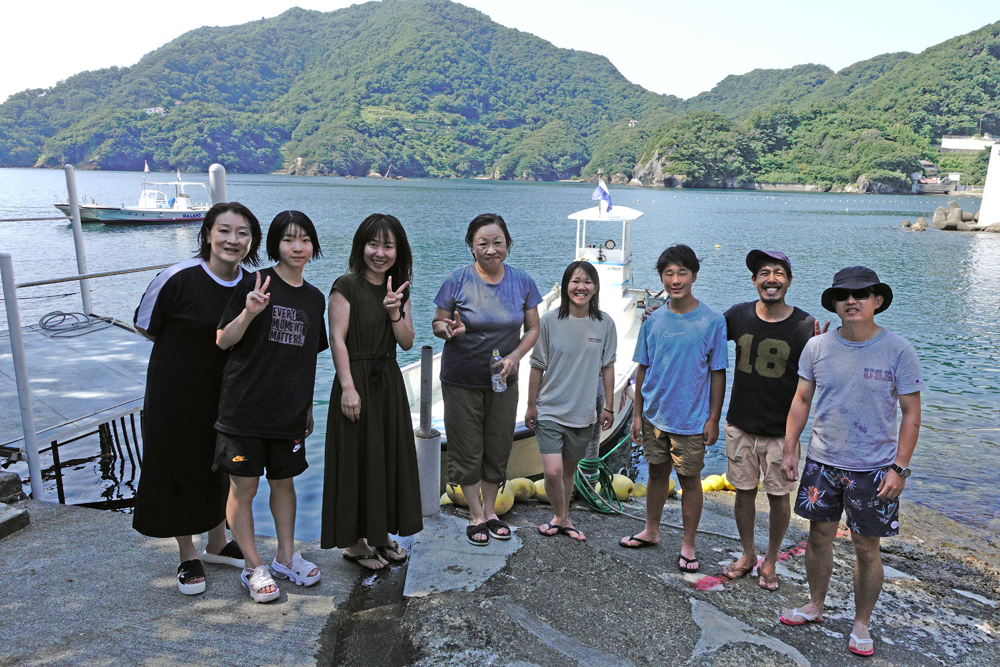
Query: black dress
(178, 493)
(371, 485)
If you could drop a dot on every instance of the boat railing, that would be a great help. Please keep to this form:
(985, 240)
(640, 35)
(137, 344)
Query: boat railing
(29, 449)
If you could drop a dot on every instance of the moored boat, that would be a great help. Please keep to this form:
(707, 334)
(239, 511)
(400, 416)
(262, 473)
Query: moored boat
(159, 203)
(613, 261)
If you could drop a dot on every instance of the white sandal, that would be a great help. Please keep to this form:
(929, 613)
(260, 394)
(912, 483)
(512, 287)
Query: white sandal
(297, 570)
(256, 580)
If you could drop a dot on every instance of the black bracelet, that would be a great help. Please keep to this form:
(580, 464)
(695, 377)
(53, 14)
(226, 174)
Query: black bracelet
(610, 410)
(397, 319)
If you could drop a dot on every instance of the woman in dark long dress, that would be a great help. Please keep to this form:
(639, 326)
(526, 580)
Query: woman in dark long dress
(371, 488)
(179, 496)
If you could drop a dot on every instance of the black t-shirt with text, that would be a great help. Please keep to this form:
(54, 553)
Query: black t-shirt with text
(267, 384)
(767, 367)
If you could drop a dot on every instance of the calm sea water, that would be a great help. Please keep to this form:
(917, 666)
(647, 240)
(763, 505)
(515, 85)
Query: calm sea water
(945, 284)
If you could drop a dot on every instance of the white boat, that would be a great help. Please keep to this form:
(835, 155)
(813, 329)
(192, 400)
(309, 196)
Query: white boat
(618, 298)
(159, 203)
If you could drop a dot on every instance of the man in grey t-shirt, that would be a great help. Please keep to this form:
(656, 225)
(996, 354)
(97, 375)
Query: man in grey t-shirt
(856, 458)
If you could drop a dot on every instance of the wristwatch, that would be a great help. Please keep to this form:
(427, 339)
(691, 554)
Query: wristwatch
(902, 472)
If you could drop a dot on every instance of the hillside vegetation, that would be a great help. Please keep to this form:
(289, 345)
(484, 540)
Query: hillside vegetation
(433, 88)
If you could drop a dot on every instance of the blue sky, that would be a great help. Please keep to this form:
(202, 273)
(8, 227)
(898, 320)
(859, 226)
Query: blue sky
(674, 48)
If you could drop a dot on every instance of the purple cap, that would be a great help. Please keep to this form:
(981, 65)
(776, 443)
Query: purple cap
(755, 256)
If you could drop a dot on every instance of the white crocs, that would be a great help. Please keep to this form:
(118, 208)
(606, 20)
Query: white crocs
(254, 580)
(297, 570)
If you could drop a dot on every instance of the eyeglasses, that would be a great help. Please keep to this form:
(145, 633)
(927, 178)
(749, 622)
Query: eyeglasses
(858, 294)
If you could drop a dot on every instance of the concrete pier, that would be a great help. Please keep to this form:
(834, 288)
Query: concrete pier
(79, 587)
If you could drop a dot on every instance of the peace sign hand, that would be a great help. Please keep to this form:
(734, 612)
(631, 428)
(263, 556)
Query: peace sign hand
(393, 299)
(258, 299)
(453, 327)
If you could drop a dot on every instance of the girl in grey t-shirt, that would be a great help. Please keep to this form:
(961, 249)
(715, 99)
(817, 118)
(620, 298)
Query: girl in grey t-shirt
(576, 344)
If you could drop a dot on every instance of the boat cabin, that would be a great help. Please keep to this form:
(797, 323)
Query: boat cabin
(609, 250)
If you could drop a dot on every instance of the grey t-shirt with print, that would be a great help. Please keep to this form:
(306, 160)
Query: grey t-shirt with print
(857, 392)
(572, 352)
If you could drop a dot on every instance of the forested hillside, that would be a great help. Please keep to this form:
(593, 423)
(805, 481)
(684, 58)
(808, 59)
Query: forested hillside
(411, 87)
(433, 88)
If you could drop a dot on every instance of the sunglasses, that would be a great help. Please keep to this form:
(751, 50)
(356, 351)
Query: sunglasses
(858, 294)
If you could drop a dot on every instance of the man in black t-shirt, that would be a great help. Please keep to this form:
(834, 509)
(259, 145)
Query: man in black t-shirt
(769, 337)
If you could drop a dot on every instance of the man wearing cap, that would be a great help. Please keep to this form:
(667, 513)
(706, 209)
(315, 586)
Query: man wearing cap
(769, 336)
(857, 460)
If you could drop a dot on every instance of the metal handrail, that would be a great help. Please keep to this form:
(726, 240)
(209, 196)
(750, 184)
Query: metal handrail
(103, 274)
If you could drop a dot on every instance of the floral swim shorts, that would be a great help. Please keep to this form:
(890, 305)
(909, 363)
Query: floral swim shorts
(826, 492)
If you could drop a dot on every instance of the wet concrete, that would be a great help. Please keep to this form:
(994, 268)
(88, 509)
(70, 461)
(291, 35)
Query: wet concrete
(558, 602)
(367, 632)
(79, 587)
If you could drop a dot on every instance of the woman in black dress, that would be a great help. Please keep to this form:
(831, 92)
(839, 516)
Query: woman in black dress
(179, 496)
(371, 488)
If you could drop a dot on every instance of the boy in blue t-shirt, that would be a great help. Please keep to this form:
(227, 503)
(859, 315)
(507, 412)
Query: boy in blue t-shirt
(679, 388)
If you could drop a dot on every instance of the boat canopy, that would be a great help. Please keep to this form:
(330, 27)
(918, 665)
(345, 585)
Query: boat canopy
(617, 214)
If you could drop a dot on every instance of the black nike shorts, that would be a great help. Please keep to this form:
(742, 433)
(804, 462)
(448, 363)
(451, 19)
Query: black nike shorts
(244, 456)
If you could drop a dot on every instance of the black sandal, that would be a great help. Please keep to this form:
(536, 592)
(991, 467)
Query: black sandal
(188, 570)
(496, 524)
(479, 528)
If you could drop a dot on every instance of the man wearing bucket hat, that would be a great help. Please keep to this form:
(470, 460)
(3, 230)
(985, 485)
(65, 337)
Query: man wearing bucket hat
(769, 336)
(857, 460)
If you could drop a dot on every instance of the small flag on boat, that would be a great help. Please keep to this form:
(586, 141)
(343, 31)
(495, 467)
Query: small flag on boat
(601, 192)
(145, 167)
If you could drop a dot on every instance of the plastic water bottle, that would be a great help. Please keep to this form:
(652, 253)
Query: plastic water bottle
(496, 372)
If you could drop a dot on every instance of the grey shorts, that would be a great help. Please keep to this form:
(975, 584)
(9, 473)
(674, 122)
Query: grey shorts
(479, 426)
(555, 438)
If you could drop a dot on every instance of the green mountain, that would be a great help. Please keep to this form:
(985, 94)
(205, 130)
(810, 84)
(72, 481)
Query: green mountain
(433, 88)
(866, 126)
(412, 87)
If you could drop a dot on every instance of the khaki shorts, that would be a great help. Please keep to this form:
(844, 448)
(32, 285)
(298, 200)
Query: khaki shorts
(685, 452)
(750, 455)
(479, 426)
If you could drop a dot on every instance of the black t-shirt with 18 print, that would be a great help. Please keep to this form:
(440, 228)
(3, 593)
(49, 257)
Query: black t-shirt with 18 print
(267, 385)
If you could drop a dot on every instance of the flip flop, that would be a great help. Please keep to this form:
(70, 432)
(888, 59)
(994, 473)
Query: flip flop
(394, 547)
(730, 571)
(642, 544)
(768, 583)
(572, 532)
(496, 524)
(550, 526)
(809, 618)
(478, 529)
(366, 557)
(858, 642)
(687, 561)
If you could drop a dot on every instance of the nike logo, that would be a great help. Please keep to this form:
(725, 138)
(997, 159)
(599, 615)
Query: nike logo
(297, 447)
(669, 334)
(239, 459)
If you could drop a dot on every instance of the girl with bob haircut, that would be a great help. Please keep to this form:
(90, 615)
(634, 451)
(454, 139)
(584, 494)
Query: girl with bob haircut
(179, 493)
(274, 326)
(371, 488)
(481, 308)
(576, 345)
